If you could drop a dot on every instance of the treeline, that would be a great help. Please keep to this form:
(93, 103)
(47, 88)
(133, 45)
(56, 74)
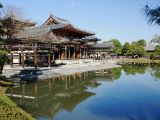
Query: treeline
(136, 48)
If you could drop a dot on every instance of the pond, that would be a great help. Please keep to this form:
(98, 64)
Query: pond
(130, 92)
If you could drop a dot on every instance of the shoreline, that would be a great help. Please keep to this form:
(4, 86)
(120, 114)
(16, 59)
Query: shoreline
(71, 67)
(138, 60)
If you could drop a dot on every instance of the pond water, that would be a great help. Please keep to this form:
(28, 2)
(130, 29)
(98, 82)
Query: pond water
(125, 93)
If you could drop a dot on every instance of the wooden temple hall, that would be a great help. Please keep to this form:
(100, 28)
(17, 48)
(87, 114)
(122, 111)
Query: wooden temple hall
(55, 39)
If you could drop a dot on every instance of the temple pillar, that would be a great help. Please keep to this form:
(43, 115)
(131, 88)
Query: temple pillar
(35, 56)
(65, 52)
(20, 59)
(84, 53)
(59, 53)
(53, 57)
(69, 53)
(74, 53)
(49, 59)
(80, 54)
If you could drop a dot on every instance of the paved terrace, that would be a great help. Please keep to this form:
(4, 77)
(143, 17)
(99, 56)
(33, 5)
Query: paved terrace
(71, 67)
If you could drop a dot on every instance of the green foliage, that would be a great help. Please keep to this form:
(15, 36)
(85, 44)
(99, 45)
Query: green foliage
(141, 42)
(156, 39)
(136, 48)
(3, 59)
(126, 48)
(134, 69)
(156, 71)
(153, 15)
(116, 43)
(117, 46)
(157, 49)
(117, 50)
(116, 73)
(3, 56)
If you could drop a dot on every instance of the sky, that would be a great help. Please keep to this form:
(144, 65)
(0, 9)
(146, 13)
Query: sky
(120, 19)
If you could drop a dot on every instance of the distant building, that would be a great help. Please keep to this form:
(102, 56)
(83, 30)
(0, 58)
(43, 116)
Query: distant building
(150, 47)
(100, 50)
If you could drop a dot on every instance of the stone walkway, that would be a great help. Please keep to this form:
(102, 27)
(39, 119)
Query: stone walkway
(71, 67)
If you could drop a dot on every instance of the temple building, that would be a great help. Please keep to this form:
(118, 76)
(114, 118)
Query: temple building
(55, 39)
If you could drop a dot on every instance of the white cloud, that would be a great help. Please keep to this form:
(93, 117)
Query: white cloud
(74, 3)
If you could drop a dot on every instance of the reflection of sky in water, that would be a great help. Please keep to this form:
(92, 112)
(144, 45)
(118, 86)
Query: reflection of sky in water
(132, 97)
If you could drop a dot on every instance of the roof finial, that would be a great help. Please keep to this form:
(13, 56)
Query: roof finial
(51, 14)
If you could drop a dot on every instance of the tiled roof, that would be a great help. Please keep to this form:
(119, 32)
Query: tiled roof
(38, 31)
(90, 38)
(21, 20)
(103, 45)
(65, 22)
(150, 47)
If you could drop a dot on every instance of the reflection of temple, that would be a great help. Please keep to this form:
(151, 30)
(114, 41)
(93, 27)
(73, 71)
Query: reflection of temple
(46, 98)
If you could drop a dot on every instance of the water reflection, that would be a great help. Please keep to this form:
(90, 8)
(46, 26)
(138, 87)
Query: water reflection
(132, 69)
(156, 71)
(89, 95)
(46, 98)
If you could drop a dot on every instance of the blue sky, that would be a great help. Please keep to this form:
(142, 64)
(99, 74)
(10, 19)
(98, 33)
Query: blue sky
(120, 19)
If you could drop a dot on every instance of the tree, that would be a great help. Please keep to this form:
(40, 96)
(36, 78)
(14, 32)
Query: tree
(157, 49)
(3, 59)
(152, 14)
(155, 39)
(136, 49)
(116, 43)
(141, 42)
(3, 53)
(125, 49)
(117, 46)
(10, 10)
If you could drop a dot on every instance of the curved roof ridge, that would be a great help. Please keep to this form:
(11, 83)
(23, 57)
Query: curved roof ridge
(77, 28)
(21, 19)
(60, 20)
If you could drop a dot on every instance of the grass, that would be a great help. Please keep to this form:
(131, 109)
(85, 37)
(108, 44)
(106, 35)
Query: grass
(8, 109)
(139, 60)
